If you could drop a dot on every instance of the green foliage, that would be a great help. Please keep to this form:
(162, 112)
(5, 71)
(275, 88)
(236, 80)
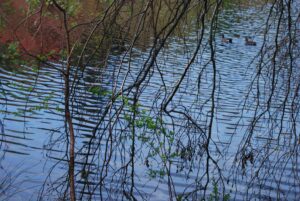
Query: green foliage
(10, 54)
(33, 3)
(142, 119)
(152, 132)
(46, 56)
(226, 197)
(179, 197)
(12, 50)
(215, 194)
(71, 6)
(156, 173)
(97, 90)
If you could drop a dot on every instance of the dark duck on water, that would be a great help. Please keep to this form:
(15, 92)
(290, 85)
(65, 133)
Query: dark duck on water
(226, 40)
(249, 41)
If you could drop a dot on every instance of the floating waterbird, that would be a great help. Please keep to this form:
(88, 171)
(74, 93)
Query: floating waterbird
(237, 35)
(226, 40)
(249, 41)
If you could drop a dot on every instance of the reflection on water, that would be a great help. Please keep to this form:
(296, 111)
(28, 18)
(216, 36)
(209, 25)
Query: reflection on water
(129, 147)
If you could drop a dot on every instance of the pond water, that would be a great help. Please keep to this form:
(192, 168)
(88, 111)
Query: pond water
(170, 153)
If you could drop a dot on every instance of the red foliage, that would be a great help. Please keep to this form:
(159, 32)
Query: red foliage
(36, 34)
